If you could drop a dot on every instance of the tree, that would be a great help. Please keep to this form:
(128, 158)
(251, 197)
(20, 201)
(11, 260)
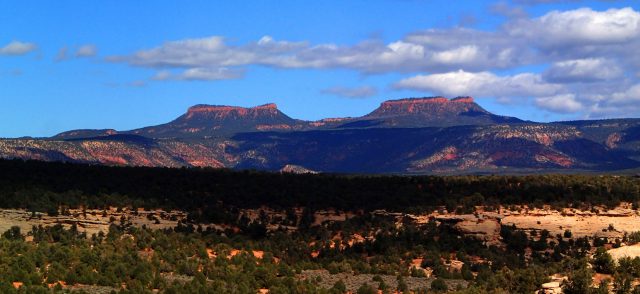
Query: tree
(579, 282)
(13, 234)
(439, 285)
(622, 283)
(603, 288)
(339, 287)
(602, 261)
(402, 285)
(466, 272)
(366, 289)
(567, 234)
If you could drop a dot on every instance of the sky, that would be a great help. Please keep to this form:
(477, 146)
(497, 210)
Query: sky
(128, 64)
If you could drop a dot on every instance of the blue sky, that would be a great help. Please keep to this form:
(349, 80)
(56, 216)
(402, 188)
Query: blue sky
(127, 64)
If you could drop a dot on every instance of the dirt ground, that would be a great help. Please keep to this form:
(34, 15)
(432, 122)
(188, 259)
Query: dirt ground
(631, 251)
(353, 281)
(485, 225)
(89, 221)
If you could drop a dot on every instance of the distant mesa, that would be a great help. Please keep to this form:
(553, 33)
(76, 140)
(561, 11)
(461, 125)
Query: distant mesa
(216, 108)
(466, 99)
(221, 120)
(425, 105)
(208, 121)
(415, 135)
(435, 99)
(84, 133)
(433, 111)
(223, 111)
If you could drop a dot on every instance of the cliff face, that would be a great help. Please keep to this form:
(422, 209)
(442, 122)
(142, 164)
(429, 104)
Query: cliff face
(219, 121)
(433, 111)
(215, 112)
(414, 135)
(435, 107)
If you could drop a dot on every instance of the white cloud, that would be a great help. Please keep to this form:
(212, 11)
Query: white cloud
(205, 52)
(481, 84)
(589, 54)
(200, 74)
(88, 50)
(17, 48)
(627, 97)
(536, 2)
(358, 92)
(583, 70)
(563, 103)
(607, 104)
(523, 41)
(211, 74)
(460, 55)
(579, 27)
(417, 53)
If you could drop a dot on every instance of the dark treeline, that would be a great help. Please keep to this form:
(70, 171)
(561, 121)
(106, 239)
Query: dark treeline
(32, 183)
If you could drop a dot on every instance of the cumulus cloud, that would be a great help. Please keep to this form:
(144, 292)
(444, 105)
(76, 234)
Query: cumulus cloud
(17, 48)
(209, 74)
(84, 51)
(357, 92)
(484, 84)
(200, 74)
(588, 55)
(518, 42)
(628, 97)
(610, 103)
(579, 27)
(418, 52)
(563, 103)
(537, 2)
(88, 50)
(583, 70)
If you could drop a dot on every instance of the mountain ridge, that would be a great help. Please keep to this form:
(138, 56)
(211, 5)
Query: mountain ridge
(410, 135)
(405, 112)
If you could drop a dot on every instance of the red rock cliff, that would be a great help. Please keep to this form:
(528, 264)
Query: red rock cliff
(221, 111)
(426, 106)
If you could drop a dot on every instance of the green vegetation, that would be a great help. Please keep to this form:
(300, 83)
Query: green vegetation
(42, 186)
(196, 257)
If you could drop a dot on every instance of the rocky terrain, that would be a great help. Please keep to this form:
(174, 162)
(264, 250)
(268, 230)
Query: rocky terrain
(90, 221)
(413, 135)
(486, 224)
(482, 224)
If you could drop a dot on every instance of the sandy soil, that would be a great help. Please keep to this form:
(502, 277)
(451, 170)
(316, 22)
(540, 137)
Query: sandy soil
(632, 251)
(485, 225)
(353, 281)
(581, 224)
(89, 221)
